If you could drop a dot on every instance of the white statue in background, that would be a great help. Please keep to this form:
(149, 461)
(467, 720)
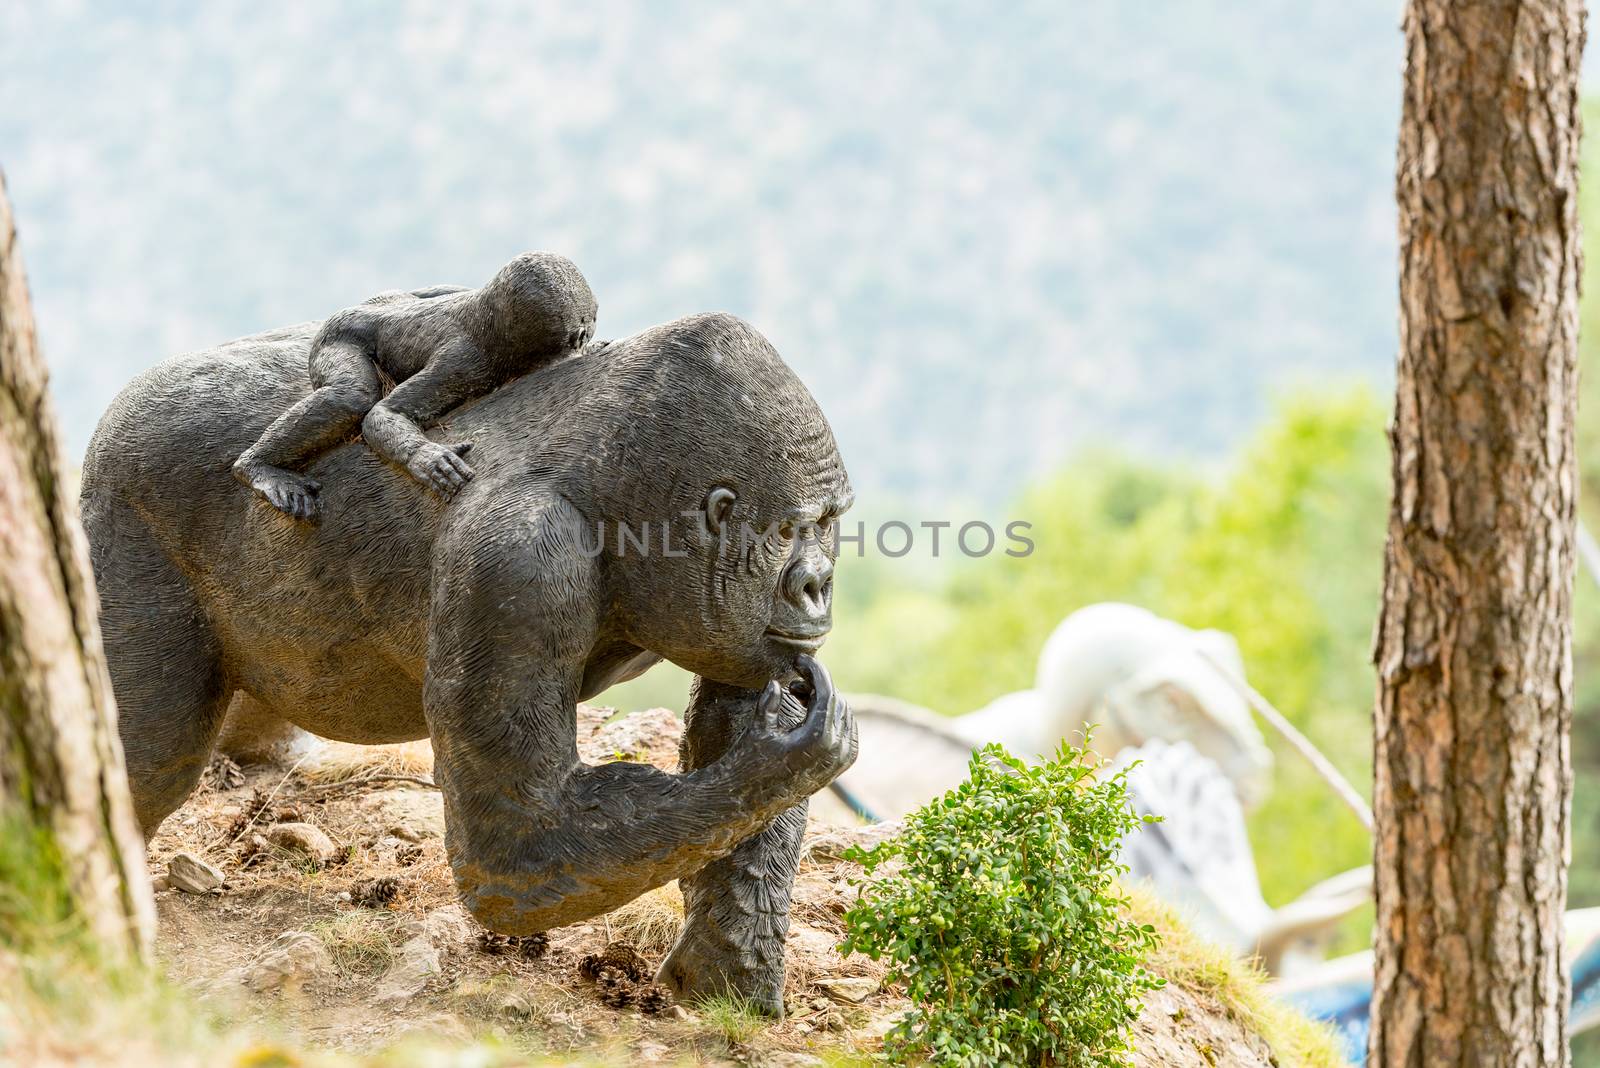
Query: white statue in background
(1137, 677)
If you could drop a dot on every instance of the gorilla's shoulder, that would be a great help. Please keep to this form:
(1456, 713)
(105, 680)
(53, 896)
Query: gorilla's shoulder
(709, 346)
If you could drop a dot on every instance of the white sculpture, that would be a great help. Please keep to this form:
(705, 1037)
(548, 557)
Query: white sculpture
(1137, 677)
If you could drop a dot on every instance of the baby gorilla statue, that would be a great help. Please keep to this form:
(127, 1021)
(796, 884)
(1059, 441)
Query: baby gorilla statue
(440, 347)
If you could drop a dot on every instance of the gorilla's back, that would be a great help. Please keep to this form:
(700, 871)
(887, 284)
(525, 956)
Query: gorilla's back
(163, 453)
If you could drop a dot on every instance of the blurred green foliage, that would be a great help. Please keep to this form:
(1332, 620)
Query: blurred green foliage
(1284, 550)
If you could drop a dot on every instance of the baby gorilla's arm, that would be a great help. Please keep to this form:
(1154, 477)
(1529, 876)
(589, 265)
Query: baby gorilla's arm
(393, 428)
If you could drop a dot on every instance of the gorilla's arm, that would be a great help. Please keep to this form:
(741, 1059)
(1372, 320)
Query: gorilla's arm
(538, 839)
(737, 907)
(453, 375)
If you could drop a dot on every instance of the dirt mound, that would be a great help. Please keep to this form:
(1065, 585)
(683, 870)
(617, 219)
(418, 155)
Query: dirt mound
(355, 947)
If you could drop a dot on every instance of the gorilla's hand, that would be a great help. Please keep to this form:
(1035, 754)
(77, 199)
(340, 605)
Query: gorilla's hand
(441, 468)
(798, 760)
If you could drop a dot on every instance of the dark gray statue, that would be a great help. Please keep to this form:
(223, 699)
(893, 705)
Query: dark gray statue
(670, 495)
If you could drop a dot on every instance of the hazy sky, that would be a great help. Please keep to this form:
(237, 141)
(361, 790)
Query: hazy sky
(983, 234)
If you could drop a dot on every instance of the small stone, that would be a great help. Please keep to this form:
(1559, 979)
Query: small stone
(832, 1020)
(850, 990)
(570, 1024)
(445, 1026)
(678, 1012)
(342, 895)
(514, 1005)
(405, 833)
(189, 873)
(290, 961)
(160, 883)
(417, 963)
(302, 838)
(790, 1059)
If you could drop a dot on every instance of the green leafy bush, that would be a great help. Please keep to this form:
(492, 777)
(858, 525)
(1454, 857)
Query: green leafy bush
(999, 909)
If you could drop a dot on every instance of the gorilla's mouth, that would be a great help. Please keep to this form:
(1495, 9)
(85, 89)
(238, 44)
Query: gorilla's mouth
(801, 639)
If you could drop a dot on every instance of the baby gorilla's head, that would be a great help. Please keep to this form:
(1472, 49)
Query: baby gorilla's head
(539, 303)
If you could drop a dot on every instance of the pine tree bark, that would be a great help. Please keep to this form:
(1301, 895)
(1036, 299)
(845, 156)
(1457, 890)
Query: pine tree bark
(61, 772)
(1473, 646)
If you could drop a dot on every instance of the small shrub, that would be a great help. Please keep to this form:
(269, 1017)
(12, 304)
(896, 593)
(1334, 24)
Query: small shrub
(1004, 919)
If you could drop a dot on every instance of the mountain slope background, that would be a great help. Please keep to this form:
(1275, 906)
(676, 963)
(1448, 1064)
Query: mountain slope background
(983, 235)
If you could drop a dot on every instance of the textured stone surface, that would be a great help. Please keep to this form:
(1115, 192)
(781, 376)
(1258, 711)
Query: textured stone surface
(417, 963)
(192, 875)
(287, 964)
(302, 838)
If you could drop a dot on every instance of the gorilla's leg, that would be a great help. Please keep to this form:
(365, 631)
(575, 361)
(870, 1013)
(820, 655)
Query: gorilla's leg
(165, 669)
(347, 386)
(736, 908)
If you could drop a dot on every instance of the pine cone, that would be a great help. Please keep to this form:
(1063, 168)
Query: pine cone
(654, 1000)
(249, 816)
(616, 991)
(530, 947)
(222, 774)
(375, 893)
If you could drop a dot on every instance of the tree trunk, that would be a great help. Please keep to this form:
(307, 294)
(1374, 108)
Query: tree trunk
(63, 792)
(1473, 647)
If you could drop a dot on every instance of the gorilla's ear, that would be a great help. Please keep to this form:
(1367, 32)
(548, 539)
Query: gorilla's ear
(718, 508)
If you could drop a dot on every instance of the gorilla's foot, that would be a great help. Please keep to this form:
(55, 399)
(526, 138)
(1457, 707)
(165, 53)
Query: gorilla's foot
(293, 495)
(706, 963)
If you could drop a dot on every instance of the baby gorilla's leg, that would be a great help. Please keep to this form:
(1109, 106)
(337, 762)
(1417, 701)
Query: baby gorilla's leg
(347, 385)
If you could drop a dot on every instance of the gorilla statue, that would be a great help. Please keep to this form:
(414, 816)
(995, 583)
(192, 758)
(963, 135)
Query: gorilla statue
(670, 495)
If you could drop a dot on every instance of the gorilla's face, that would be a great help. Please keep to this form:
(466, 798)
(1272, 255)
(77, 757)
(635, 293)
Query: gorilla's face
(757, 579)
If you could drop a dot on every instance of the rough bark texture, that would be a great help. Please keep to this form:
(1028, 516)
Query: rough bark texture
(61, 771)
(1473, 773)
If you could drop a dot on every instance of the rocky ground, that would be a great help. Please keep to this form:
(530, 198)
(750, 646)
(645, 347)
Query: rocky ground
(318, 900)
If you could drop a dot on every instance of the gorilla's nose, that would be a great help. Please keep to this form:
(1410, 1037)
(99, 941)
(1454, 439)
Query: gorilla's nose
(809, 585)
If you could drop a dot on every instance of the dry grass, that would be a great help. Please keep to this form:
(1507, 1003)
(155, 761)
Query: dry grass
(361, 942)
(651, 921)
(1237, 987)
(341, 761)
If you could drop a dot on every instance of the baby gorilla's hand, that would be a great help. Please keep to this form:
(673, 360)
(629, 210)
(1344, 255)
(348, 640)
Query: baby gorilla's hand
(441, 468)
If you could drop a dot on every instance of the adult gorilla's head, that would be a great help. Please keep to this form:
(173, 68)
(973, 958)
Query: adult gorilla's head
(726, 461)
